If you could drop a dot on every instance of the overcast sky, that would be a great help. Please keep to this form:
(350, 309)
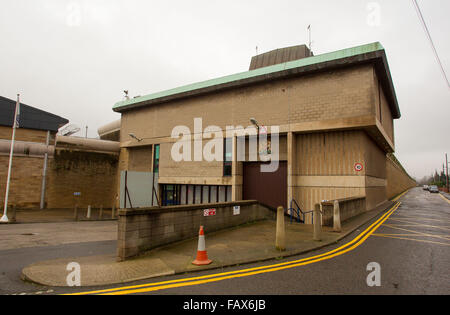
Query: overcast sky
(74, 58)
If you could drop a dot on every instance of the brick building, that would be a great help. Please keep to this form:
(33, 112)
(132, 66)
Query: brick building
(85, 166)
(335, 114)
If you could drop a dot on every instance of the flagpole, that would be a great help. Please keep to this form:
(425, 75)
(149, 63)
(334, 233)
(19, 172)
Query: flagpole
(310, 43)
(4, 218)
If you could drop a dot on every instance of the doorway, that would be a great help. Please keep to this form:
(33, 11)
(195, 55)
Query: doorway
(269, 189)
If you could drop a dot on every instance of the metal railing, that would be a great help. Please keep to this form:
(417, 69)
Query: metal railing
(298, 210)
(300, 214)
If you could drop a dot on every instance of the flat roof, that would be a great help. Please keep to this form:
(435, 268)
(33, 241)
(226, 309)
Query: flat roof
(369, 53)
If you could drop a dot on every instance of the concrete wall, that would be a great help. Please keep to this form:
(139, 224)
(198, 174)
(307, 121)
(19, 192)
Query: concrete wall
(26, 181)
(90, 173)
(382, 110)
(26, 172)
(324, 168)
(398, 179)
(349, 208)
(144, 229)
(141, 159)
(324, 96)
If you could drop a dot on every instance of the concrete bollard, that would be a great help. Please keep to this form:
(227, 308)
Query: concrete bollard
(280, 241)
(113, 211)
(101, 212)
(88, 215)
(317, 223)
(75, 213)
(336, 217)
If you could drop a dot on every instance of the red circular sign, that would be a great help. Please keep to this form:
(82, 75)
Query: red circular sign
(358, 167)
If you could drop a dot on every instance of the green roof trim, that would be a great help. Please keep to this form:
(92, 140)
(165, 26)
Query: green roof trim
(336, 55)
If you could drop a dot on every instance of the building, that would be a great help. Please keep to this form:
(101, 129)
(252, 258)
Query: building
(335, 113)
(37, 128)
(79, 171)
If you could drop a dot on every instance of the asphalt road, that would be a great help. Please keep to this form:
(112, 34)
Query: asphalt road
(411, 246)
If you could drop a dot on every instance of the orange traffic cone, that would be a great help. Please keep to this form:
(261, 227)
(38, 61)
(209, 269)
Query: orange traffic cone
(202, 256)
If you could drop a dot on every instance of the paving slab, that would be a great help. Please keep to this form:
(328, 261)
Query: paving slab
(240, 245)
(95, 270)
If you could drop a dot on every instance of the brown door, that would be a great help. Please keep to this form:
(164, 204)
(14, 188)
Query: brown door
(268, 188)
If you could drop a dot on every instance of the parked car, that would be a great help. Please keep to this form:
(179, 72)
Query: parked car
(425, 187)
(433, 189)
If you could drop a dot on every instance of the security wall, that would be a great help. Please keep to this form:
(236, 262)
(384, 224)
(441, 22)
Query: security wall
(91, 174)
(325, 168)
(398, 179)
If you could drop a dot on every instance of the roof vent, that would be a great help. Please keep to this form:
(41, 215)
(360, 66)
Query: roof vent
(280, 55)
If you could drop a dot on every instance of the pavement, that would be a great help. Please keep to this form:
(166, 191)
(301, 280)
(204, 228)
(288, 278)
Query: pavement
(446, 195)
(250, 243)
(20, 236)
(57, 215)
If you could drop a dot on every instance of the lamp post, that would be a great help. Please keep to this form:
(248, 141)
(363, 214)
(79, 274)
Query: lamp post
(256, 124)
(132, 135)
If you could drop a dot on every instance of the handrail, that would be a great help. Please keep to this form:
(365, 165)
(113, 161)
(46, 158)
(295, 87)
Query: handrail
(298, 210)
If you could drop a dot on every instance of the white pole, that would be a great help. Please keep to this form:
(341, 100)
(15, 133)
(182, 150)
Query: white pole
(4, 218)
(44, 175)
(310, 43)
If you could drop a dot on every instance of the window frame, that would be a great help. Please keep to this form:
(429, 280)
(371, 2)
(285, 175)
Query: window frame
(156, 159)
(227, 164)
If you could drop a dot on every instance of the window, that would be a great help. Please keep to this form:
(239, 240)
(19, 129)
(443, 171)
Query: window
(227, 157)
(190, 194)
(222, 193)
(156, 159)
(176, 194)
(183, 195)
(213, 194)
(170, 196)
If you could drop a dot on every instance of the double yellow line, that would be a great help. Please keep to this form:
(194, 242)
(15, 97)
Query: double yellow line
(149, 287)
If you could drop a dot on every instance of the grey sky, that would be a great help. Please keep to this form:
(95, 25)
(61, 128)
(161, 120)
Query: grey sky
(75, 57)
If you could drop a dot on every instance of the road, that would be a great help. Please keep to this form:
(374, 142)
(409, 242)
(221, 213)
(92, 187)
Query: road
(24, 244)
(410, 244)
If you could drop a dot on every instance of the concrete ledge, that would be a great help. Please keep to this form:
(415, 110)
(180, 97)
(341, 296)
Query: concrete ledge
(349, 207)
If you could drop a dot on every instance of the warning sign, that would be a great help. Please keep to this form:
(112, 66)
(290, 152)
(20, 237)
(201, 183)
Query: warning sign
(209, 212)
(358, 167)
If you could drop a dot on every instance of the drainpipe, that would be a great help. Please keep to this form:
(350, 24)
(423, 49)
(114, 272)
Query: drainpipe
(44, 175)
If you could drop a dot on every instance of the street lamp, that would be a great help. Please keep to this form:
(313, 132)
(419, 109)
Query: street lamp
(132, 135)
(255, 122)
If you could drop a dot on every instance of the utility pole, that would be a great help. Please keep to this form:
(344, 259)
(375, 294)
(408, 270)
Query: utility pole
(446, 176)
